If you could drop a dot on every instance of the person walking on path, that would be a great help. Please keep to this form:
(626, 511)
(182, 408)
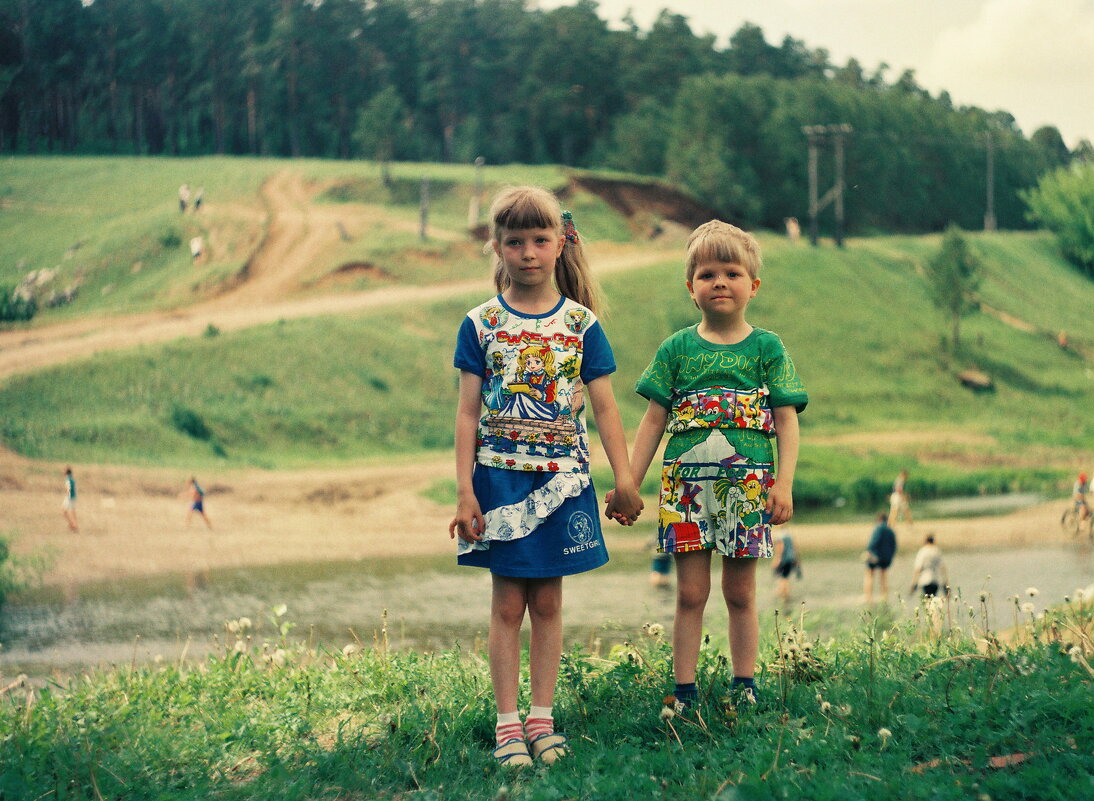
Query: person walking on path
(197, 502)
(184, 197)
(68, 504)
(729, 396)
(878, 557)
(526, 507)
(929, 575)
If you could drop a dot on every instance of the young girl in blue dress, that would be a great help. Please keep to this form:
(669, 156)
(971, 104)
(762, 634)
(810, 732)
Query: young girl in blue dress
(527, 510)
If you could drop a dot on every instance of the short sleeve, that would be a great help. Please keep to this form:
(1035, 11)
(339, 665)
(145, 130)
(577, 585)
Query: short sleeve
(597, 358)
(783, 383)
(469, 353)
(656, 381)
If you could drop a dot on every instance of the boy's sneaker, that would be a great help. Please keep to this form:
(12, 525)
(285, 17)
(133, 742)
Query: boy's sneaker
(745, 692)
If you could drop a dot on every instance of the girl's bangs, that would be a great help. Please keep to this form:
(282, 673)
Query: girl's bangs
(526, 213)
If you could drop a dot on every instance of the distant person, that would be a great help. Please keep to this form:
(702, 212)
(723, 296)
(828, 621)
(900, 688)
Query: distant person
(199, 198)
(879, 556)
(899, 508)
(1079, 491)
(929, 574)
(68, 504)
(197, 247)
(197, 502)
(786, 562)
(660, 567)
(793, 230)
(184, 197)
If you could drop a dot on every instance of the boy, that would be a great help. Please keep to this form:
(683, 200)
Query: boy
(723, 390)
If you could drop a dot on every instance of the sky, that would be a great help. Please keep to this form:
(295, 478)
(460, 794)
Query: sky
(1033, 58)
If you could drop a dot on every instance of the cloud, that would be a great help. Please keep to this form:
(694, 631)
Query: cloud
(1034, 59)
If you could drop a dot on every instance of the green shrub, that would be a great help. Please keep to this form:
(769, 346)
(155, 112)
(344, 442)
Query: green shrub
(14, 308)
(170, 239)
(189, 423)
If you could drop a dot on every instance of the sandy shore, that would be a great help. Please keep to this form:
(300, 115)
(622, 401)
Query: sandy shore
(133, 520)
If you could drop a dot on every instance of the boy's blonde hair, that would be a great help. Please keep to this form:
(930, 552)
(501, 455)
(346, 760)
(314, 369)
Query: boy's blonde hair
(720, 241)
(521, 207)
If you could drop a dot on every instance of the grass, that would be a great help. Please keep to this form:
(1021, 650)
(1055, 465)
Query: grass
(914, 710)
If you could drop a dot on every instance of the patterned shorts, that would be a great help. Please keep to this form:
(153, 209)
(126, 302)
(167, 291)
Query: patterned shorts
(713, 499)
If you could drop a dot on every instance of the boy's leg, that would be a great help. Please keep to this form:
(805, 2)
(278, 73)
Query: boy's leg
(868, 585)
(884, 583)
(692, 590)
(545, 651)
(739, 591)
(507, 603)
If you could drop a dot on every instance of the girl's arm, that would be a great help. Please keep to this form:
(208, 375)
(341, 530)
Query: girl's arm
(647, 439)
(468, 523)
(780, 501)
(625, 504)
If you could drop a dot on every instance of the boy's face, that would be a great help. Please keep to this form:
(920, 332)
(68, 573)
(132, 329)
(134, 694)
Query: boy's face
(722, 289)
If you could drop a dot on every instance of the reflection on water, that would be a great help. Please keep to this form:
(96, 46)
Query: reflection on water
(432, 604)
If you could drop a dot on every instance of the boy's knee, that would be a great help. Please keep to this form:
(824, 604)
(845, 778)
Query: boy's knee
(691, 597)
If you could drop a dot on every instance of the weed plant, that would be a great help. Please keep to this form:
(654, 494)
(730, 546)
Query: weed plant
(933, 708)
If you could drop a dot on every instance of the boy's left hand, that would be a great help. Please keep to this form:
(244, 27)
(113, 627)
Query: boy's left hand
(780, 504)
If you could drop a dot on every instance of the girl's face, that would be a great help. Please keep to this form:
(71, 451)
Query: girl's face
(528, 255)
(533, 363)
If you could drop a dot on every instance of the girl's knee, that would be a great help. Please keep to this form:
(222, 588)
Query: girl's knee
(739, 599)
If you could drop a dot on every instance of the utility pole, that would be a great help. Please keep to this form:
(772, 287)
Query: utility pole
(423, 219)
(817, 135)
(989, 205)
(476, 197)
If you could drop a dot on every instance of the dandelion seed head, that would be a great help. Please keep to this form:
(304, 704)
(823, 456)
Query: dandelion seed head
(240, 646)
(983, 597)
(350, 649)
(1027, 608)
(233, 626)
(244, 623)
(1032, 592)
(884, 733)
(826, 707)
(667, 713)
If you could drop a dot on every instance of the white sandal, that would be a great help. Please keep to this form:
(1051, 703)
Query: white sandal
(513, 753)
(548, 747)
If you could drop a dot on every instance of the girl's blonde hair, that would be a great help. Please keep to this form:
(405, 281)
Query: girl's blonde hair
(521, 207)
(720, 241)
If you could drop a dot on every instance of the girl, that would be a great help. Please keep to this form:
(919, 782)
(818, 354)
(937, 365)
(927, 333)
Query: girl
(527, 509)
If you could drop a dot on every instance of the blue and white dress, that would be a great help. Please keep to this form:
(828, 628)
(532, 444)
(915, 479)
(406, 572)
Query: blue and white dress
(531, 475)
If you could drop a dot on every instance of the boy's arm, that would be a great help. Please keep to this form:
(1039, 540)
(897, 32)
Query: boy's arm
(468, 523)
(647, 439)
(625, 504)
(780, 500)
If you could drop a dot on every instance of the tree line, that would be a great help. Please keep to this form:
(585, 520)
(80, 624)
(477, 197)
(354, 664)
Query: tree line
(453, 80)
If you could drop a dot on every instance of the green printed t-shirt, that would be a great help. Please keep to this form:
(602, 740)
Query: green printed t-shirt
(687, 366)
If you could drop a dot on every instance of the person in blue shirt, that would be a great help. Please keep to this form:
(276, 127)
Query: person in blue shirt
(879, 555)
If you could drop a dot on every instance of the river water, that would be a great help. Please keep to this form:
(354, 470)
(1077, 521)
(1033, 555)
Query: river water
(432, 604)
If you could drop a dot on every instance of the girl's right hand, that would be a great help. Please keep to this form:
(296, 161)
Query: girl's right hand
(468, 523)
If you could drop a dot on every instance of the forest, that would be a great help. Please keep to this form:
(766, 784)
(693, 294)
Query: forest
(455, 80)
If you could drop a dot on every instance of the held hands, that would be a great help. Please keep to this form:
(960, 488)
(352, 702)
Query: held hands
(623, 505)
(780, 504)
(468, 523)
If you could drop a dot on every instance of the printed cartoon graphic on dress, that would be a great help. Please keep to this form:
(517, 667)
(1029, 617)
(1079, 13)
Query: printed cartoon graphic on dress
(582, 531)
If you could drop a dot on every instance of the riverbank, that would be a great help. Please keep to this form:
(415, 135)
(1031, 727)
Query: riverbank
(133, 520)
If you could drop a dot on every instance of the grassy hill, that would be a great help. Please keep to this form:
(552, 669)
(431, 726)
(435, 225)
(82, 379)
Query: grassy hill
(858, 322)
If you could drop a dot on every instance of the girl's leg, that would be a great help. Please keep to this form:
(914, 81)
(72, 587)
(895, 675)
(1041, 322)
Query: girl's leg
(692, 590)
(545, 651)
(739, 590)
(507, 604)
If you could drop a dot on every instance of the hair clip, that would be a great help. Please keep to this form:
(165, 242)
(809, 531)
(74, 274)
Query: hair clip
(568, 229)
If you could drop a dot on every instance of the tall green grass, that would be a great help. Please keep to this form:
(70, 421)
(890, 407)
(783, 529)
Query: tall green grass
(935, 708)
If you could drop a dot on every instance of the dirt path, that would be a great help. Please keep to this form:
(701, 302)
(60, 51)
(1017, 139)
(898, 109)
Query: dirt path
(298, 233)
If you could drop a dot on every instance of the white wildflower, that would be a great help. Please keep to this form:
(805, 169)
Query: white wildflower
(1032, 591)
(1027, 608)
(280, 610)
(351, 649)
(240, 646)
(278, 657)
(245, 623)
(1075, 652)
(654, 630)
(983, 597)
(233, 626)
(667, 713)
(826, 707)
(884, 734)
